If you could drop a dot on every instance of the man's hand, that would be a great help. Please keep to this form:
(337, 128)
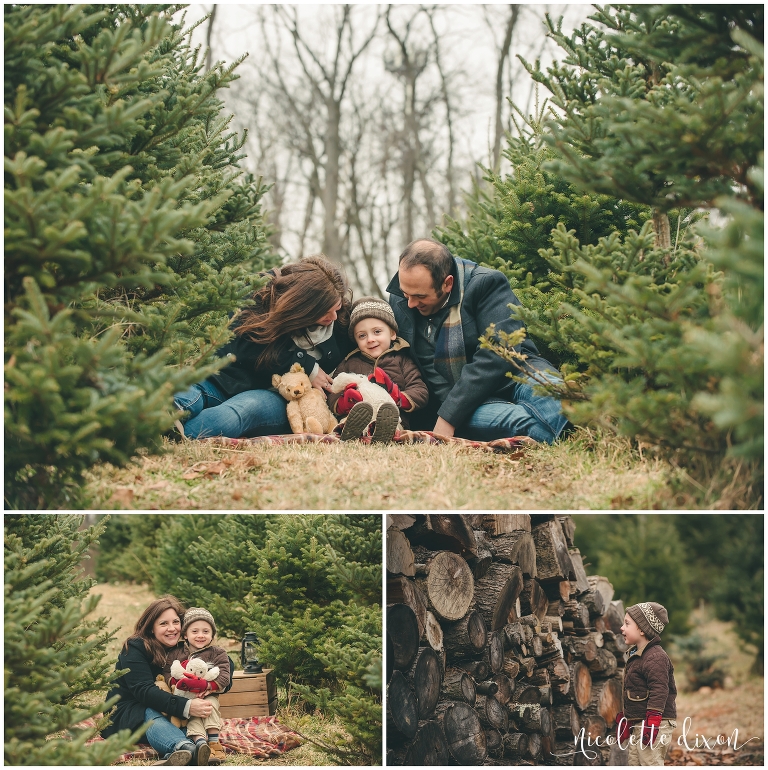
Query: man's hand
(444, 428)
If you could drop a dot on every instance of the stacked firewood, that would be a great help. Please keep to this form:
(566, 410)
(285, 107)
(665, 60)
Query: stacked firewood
(500, 648)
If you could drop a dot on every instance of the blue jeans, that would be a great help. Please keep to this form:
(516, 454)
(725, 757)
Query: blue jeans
(539, 417)
(164, 737)
(251, 413)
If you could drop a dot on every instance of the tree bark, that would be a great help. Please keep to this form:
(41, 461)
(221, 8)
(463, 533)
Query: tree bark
(399, 554)
(495, 743)
(576, 613)
(594, 602)
(580, 574)
(479, 670)
(569, 529)
(429, 747)
(404, 631)
(581, 685)
(426, 676)
(594, 726)
(516, 548)
(605, 700)
(566, 720)
(400, 590)
(505, 688)
(603, 586)
(466, 637)
(492, 714)
(511, 667)
(553, 562)
(448, 531)
(402, 710)
(525, 693)
(516, 745)
(533, 600)
(545, 695)
(494, 652)
(501, 523)
(604, 664)
(458, 685)
(464, 734)
(400, 520)
(497, 593)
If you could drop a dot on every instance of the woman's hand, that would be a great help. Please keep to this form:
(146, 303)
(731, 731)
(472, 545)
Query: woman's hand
(199, 708)
(321, 381)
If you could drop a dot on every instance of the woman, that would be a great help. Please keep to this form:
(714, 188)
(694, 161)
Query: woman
(157, 632)
(300, 316)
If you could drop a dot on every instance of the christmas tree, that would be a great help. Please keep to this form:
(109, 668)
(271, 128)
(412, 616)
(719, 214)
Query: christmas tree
(55, 655)
(660, 328)
(130, 234)
(309, 585)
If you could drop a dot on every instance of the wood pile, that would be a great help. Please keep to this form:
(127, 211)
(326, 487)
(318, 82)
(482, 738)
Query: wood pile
(500, 648)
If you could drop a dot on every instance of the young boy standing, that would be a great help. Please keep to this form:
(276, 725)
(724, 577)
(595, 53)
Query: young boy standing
(198, 630)
(386, 360)
(649, 687)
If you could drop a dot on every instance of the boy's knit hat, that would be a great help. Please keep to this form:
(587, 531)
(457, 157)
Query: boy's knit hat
(651, 618)
(197, 613)
(371, 307)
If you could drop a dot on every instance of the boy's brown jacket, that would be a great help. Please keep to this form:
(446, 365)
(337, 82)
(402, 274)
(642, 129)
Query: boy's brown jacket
(400, 367)
(212, 655)
(649, 683)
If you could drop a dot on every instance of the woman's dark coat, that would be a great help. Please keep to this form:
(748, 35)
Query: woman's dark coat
(138, 691)
(244, 373)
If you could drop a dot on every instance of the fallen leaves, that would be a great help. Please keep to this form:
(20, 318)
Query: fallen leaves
(209, 469)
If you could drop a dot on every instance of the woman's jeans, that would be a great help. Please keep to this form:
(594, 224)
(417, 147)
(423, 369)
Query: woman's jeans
(164, 737)
(251, 413)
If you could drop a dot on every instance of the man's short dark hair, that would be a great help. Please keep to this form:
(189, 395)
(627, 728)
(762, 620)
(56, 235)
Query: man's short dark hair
(431, 254)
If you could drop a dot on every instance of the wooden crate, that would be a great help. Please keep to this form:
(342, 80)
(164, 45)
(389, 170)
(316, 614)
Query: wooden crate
(252, 695)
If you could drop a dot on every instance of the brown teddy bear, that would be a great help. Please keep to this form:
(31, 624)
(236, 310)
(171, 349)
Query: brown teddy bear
(307, 409)
(163, 685)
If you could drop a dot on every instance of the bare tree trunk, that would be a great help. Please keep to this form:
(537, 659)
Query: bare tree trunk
(209, 39)
(514, 14)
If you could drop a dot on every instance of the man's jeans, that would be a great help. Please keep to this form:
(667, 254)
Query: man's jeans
(164, 737)
(539, 417)
(251, 413)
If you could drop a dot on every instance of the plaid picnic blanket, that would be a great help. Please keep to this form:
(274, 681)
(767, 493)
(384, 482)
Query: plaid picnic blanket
(261, 737)
(506, 445)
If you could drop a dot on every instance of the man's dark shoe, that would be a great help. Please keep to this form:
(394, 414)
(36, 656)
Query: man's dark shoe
(177, 758)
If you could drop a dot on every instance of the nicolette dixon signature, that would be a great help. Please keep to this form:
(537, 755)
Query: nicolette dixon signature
(583, 742)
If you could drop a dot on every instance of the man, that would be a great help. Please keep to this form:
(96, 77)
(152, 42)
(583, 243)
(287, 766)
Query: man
(442, 305)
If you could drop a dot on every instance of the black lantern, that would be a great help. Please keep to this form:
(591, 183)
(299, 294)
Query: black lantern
(248, 657)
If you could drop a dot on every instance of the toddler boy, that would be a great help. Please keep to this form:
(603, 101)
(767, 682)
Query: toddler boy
(386, 360)
(649, 687)
(198, 631)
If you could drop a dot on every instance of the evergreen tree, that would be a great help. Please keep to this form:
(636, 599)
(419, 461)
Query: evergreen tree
(662, 107)
(309, 585)
(128, 547)
(130, 234)
(645, 560)
(55, 656)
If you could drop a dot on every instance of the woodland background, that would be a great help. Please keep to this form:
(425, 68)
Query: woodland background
(620, 190)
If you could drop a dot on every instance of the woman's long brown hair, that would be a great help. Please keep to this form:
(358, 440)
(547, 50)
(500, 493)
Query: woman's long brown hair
(298, 295)
(146, 622)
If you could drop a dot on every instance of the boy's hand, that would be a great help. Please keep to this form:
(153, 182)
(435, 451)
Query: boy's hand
(349, 398)
(623, 731)
(380, 377)
(650, 728)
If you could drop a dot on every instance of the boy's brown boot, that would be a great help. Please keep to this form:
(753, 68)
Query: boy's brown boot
(217, 753)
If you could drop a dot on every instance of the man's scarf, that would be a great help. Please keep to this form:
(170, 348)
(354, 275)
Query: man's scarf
(450, 353)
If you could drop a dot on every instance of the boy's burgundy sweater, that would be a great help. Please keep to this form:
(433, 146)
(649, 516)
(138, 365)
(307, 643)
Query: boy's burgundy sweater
(400, 367)
(649, 683)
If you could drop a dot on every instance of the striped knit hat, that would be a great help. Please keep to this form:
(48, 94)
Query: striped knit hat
(651, 618)
(371, 307)
(197, 613)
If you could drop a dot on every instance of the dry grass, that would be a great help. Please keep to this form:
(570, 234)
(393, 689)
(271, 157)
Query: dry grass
(123, 603)
(585, 473)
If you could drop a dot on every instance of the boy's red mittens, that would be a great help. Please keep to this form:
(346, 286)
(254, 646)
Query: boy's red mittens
(348, 399)
(650, 728)
(380, 377)
(622, 733)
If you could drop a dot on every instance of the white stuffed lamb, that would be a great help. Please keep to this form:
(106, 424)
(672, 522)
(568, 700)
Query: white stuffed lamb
(372, 393)
(194, 666)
